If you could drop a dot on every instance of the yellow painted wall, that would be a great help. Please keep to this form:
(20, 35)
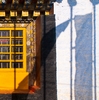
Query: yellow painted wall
(8, 79)
(22, 80)
(12, 79)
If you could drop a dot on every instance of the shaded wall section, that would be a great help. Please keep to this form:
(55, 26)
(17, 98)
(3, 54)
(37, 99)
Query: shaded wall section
(49, 57)
(48, 65)
(83, 50)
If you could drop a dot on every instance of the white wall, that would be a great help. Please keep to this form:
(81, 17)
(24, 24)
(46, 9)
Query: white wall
(62, 12)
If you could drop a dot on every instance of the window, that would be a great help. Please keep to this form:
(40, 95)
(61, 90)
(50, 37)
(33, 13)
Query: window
(12, 48)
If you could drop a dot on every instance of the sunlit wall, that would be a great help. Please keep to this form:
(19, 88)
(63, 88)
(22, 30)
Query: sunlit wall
(77, 49)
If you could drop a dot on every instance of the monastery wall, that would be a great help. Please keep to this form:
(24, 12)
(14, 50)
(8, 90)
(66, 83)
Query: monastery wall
(77, 49)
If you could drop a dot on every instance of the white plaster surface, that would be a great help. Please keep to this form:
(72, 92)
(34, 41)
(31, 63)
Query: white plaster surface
(62, 13)
(97, 50)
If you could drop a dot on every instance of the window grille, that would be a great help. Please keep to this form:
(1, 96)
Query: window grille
(12, 49)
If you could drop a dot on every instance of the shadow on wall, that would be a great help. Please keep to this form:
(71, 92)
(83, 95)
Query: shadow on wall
(59, 1)
(73, 2)
(70, 2)
(49, 57)
(94, 2)
(83, 76)
(61, 28)
(21, 93)
(50, 77)
(83, 57)
(83, 50)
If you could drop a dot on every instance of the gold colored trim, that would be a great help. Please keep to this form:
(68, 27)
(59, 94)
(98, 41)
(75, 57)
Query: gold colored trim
(36, 13)
(2, 13)
(47, 13)
(25, 13)
(13, 13)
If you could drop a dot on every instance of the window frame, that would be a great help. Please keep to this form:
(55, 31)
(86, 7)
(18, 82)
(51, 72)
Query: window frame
(11, 45)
